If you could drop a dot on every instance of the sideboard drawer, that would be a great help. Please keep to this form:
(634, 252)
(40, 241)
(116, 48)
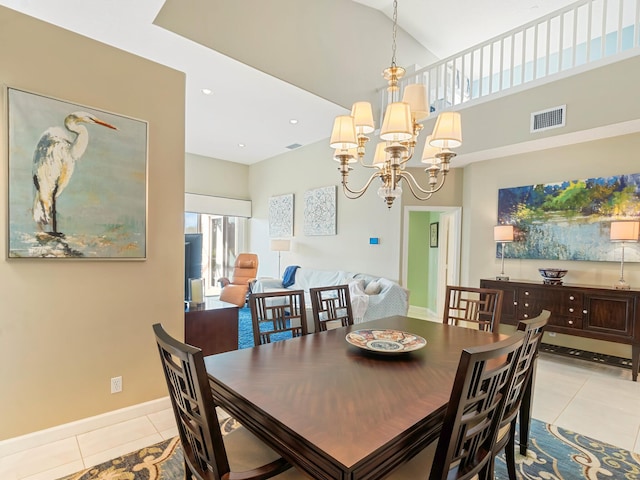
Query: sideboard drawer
(566, 322)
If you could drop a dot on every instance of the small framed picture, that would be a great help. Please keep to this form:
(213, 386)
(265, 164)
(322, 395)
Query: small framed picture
(433, 235)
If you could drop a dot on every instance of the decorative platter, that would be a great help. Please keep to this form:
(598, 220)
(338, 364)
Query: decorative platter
(387, 342)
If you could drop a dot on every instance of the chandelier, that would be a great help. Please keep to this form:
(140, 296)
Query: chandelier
(398, 137)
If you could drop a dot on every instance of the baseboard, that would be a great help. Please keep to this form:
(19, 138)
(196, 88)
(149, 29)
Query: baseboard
(59, 432)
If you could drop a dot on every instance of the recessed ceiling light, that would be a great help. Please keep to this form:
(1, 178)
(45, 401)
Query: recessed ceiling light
(241, 145)
(293, 121)
(207, 91)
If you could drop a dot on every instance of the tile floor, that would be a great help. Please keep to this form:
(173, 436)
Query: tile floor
(596, 400)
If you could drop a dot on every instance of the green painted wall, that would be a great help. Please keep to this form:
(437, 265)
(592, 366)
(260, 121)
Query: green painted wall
(422, 264)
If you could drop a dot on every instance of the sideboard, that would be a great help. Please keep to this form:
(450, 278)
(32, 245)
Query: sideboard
(600, 313)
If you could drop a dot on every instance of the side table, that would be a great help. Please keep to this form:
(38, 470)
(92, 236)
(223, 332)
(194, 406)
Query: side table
(214, 328)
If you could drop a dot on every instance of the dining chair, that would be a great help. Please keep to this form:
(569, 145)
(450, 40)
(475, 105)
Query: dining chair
(469, 306)
(278, 315)
(481, 386)
(204, 447)
(331, 307)
(533, 330)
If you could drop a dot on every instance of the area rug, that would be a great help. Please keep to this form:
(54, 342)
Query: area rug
(554, 454)
(245, 330)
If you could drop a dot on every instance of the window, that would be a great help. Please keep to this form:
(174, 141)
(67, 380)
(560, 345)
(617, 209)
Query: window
(222, 240)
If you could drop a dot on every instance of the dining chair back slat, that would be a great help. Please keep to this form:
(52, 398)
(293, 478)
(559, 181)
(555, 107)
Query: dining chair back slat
(278, 315)
(469, 306)
(331, 307)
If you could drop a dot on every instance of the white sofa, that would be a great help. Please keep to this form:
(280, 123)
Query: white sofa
(371, 297)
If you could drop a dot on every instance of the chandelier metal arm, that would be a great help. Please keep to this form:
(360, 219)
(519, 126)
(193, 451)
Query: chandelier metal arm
(357, 193)
(413, 185)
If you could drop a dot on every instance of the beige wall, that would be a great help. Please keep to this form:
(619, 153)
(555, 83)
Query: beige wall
(67, 327)
(210, 176)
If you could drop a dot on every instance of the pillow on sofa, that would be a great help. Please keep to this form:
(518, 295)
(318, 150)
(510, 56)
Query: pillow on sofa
(373, 288)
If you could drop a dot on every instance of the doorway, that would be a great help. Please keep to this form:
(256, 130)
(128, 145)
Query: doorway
(428, 266)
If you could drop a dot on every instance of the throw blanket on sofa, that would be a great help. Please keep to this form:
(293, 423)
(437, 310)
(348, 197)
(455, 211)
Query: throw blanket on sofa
(359, 300)
(289, 277)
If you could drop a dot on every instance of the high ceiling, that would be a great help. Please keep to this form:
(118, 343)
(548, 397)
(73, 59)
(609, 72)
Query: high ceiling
(218, 124)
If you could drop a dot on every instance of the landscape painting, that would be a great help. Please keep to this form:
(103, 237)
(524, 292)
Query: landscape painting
(77, 181)
(570, 220)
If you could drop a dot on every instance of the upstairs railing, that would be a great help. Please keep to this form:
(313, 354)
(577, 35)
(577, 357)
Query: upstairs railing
(584, 32)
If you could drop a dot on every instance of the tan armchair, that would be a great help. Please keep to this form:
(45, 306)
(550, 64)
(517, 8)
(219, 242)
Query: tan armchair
(244, 273)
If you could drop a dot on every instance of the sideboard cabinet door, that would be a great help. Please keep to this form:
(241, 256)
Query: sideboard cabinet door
(610, 315)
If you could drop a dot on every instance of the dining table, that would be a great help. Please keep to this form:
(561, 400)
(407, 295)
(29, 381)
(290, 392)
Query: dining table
(341, 411)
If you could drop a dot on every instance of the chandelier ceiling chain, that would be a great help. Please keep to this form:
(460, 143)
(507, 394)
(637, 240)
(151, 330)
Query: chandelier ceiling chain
(398, 134)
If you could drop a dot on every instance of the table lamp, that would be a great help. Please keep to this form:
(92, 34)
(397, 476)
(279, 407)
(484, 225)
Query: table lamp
(624, 232)
(503, 234)
(280, 245)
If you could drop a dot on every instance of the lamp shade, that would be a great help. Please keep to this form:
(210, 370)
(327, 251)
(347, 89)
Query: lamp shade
(418, 99)
(363, 117)
(503, 233)
(429, 153)
(280, 245)
(447, 132)
(343, 134)
(625, 231)
(380, 156)
(396, 126)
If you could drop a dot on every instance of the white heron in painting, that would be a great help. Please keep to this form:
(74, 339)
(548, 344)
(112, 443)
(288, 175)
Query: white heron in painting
(54, 161)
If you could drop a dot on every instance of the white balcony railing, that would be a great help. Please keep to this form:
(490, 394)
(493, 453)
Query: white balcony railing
(584, 32)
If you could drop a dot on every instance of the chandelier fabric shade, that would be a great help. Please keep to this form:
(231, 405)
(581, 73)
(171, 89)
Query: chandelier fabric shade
(343, 135)
(417, 97)
(398, 134)
(447, 133)
(363, 117)
(397, 125)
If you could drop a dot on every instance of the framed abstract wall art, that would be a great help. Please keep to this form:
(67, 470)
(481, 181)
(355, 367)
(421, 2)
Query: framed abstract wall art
(570, 220)
(281, 215)
(77, 180)
(320, 211)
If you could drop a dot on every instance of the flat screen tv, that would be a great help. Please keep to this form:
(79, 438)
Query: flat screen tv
(192, 259)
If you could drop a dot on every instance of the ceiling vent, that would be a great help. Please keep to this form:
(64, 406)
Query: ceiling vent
(546, 119)
(293, 146)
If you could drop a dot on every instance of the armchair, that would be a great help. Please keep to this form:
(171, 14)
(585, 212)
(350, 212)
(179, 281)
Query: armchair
(235, 290)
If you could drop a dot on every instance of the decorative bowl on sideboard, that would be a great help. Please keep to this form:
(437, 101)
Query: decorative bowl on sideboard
(552, 276)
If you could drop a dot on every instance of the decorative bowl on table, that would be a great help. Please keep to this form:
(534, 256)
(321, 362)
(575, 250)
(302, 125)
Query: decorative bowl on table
(552, 276)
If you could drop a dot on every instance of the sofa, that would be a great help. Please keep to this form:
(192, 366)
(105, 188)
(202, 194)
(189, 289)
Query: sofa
(371, 297)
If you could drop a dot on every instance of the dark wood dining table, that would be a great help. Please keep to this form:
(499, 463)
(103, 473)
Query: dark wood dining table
(336, 411)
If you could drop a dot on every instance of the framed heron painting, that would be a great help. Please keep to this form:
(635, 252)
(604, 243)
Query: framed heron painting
(77, 180)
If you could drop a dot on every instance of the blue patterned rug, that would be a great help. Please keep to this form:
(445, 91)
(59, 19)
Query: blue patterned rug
(554, 454)
(245, 329)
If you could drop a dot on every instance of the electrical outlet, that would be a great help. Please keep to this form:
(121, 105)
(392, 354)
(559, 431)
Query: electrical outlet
(116, 384)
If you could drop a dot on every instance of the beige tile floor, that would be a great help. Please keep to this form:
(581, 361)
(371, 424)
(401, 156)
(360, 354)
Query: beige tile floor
(596, 400)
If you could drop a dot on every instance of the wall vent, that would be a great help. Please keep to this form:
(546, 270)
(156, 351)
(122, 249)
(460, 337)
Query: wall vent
(551, 118)
(293, 146)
